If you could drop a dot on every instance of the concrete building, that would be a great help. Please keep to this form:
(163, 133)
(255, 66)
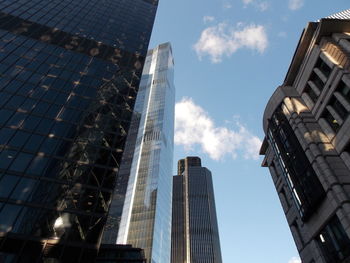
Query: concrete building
(195, 234)
(69, 75)
(307, 144)
(140, 212)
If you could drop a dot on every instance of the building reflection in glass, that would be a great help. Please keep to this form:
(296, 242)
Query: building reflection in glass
(69, 76)
(141, 208)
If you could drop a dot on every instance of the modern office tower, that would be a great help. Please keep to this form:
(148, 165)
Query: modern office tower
(194, 231)
(307, 144)
(140, 212)
(69, 75)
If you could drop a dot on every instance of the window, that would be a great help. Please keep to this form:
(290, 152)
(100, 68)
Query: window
(331, 120)
(344, 90)
(317, 81)
(323, 67)
(5, 135)
(309, 91)
(21, 162)
(7, 217)
(301, 179)
(334, 242)
(338, 107)
(6, 158)
(23, 189)
(19, 139)
(7, 183)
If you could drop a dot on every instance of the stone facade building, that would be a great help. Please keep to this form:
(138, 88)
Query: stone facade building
(307, 144)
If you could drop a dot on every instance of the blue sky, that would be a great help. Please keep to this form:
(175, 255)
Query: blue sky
(230, 55)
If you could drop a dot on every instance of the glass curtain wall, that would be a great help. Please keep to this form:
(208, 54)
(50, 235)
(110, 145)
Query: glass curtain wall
(141, 213)
(69, 76)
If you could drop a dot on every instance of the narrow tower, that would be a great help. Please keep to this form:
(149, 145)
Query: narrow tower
(141, 208)
(195, 235)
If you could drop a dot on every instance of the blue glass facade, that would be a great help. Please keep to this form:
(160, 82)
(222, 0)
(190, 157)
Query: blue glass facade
(141, 207)
(69, 76)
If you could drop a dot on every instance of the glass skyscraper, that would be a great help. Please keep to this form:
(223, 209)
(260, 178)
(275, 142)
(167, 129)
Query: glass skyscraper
(141, 208)
(194, 231)
(69, 76)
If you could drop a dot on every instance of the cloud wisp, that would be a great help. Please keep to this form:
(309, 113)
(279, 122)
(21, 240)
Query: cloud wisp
(294, 260)
(260, 5)
(227, 5)
(194, 127)
(295, 4)
(207, 19)
(224, 40)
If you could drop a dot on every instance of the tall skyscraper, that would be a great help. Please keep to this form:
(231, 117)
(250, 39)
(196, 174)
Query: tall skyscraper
(307, 144)
(194, 231)
(140, 212)
(69, 75)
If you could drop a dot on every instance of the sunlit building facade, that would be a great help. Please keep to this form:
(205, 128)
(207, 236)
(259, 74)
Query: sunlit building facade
(141, 208)
(194, 231)
(69, 76)
(307, 144)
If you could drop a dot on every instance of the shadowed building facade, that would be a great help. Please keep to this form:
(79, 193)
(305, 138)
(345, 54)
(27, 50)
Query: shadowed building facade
(195, 235)
(307, 144)
(140, 212)
(69, 76)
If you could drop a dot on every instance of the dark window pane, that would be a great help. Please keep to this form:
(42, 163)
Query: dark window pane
(26, 89)
(31, 122)
(19, 139)
(17, 119)
(334, 241)
(23, 189)
(21, 162)
(7, 217)
(302, 181)
(41, 108)
(5, 115)
(15, 102)
(13, 86)
(61, 128)
(38, 92)
(28, 105)
(38, 165)
(5, 135)
(7, 184)
(323, 67)
(53, 111)
(6, 158)
(61, 98)
(3, 98)
(49, 145)
(45, 126)
(33, 143)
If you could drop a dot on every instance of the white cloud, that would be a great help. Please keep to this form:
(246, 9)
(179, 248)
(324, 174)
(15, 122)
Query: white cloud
(224, 40)
(295, 4)
(294, 260)
(194, 127)
(208, 19)
(261, 5)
